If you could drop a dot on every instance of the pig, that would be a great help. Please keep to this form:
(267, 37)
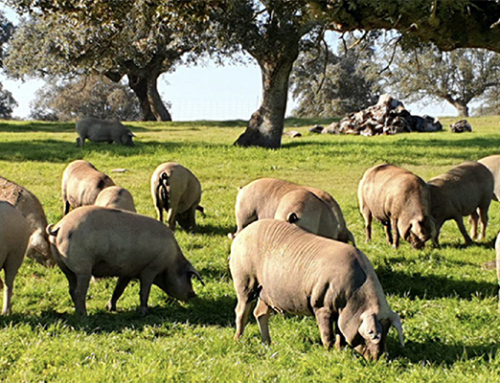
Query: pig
(31, 208)
(14, 239)
(290, 270)
(400, 200)
(116, 197)
(493, 164)
(97, 130)
(306, 210)
(81, 184)
(105, 242)
(262, 198)
(466, 189)
(176, 190)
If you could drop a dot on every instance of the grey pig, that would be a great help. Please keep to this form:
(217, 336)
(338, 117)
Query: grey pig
(290, 270)
(81, 184)
(104, 242)
(400, 200)
(266, 197)
(466, 189)
(97, 130)
(31, 208)
(14, 236)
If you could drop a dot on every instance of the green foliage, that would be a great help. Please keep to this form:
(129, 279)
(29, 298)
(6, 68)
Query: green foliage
(326, 84)
(86, 96)
(446, 298)
(458, 77)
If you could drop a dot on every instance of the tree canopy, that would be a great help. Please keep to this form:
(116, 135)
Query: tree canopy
(458, 77)
(82, 37)
(329, 84)
(85, 96)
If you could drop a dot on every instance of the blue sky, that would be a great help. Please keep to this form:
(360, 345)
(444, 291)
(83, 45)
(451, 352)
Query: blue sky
(209, 92)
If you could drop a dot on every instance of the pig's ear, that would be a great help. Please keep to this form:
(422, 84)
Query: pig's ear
(193, 272)
(370, 328)
(396, 322)
(292, 218)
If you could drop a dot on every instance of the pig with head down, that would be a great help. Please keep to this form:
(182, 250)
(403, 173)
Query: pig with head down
(97, 130)
(104, 242)
(81, 184)
(116, 197)
(466, 189)
(176, 190)
(400, 200)
(287, 269)
(31, 208)
(310, 208)
(15, 232)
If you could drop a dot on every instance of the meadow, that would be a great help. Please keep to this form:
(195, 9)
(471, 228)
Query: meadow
(446, 296)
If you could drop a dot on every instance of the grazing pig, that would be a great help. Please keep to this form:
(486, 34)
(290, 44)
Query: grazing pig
(466, 189)
(31, 208)
(263, 197)
(290, 270)
(14, 238)
(116, 197)
(81, 184)
(493, 164)
(306, 210)
(177, 190)
(400, 200)
(97, 130)
(103, 242)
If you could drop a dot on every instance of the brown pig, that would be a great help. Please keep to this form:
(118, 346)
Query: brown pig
(290, 270)
(275, 198)
(81, 184)
(14, 238)
(104, 242)
(116, 197)
(466, 189)
(31, 208)
(176, 190)
(400, 200)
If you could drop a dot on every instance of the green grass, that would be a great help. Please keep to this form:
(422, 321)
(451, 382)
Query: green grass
(446, 298)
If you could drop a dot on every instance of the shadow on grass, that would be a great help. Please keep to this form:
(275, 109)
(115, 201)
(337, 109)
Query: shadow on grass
(200, 311)
(49, 127)
(58, 151)
(433, 351)
(416, 285)
(215, 229)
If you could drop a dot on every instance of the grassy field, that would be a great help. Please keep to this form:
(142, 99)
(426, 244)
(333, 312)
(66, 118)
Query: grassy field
(445, 296)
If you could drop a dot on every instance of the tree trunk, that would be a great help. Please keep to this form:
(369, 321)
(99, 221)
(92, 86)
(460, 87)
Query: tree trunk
(266, 125)
(151, 104)
(462, 108)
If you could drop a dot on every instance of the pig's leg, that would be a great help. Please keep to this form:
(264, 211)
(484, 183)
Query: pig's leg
(460, 222)
(325, 323)
(474, 218)
(483, 213)
(80, 293)
(121, 284)
(262, 312)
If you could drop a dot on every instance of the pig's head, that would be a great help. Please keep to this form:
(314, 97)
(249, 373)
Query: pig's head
(39, 248)
(176, 281)
(367, 333)
(126, 138)
(418, 231)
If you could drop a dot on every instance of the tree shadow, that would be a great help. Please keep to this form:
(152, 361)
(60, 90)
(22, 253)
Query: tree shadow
(50, 127)
(415, 285)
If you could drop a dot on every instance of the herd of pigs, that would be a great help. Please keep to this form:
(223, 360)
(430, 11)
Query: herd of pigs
(292, 251)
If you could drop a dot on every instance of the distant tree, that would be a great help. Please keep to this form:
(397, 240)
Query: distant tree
(459, 76)
(491, 102)
(7, 102)
(137, 39)
(92, 96)
(328, 84)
